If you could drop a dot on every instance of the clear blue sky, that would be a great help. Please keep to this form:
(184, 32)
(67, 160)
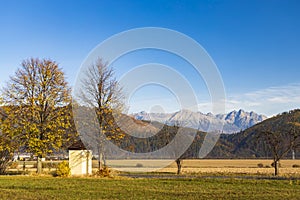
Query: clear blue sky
(255, 44)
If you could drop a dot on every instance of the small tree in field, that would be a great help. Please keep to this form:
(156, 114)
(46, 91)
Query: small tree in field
(179, 124)
(38, 97)
(282, 136)
(100, 93)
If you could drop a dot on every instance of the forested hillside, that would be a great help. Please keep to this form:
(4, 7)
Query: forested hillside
(249, 144)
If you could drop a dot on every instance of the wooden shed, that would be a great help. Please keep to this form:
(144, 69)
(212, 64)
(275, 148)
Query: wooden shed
(80, 159)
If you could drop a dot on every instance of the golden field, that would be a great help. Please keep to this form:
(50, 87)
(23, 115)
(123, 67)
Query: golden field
(197, 166)
(207, 166)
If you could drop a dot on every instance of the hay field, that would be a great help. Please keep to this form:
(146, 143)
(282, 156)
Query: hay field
(207, 166)
(197, 166)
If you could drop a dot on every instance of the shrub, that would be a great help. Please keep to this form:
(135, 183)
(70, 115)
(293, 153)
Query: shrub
(45, 165)
(14, 165)
(63, 169)
(296, 166)
(139, 165)
(104, 172)
(260, 165)
(49, 165)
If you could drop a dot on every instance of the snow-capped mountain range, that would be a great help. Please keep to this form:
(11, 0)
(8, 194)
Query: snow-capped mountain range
(232, 122)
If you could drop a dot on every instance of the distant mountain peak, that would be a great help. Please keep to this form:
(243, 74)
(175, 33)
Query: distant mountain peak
(232, 122)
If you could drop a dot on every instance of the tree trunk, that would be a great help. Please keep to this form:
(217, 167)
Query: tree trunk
(104, 160)
(99, 161)
(276, 168)
(178, 162)
(99, 165)
(39, 165)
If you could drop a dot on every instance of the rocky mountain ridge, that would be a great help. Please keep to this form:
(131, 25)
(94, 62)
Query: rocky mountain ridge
(232, 122)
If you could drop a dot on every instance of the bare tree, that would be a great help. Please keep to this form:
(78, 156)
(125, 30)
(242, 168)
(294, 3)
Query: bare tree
(179, 124)
(100, 92)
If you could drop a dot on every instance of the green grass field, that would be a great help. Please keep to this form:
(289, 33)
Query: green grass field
(34, 187)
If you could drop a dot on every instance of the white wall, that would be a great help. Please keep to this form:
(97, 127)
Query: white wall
(78, 161)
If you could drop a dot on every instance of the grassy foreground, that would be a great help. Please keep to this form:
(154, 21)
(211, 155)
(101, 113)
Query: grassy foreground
(22, 187)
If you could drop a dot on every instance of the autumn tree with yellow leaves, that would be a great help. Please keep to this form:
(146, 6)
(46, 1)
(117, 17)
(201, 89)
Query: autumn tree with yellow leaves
(37, 100)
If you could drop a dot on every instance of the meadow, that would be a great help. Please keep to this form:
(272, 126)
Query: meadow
(31, 187)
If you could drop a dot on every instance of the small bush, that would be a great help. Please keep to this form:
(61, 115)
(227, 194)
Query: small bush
(296, 166)
(139, 165)
(45, 165)
(14, 165)
(50, 165)
(260, 165)
(104, 172)
(63, 169)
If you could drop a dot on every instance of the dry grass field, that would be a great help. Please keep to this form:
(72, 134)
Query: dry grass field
(236, 167)
(209, 166)
(198, 166)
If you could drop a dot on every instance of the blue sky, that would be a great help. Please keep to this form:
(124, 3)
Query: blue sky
(255, 44)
